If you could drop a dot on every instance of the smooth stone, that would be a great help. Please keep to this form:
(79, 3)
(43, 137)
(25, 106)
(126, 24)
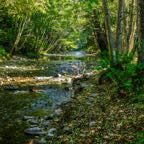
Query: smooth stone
(88, 103)
(11, 87)
(52, 132)
(79, 54)
(34, 131)
(42, 141)
(21, 92)
(90, 99)
(33, 122)
(28, 117)
(46, 123)
(67, 130)
(58, 111)
(93, 94)
(33, 125)
(92, 123)
(84, 85)
(43, 78)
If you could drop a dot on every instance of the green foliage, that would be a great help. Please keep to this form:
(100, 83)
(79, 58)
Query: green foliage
(122, 77)
(140, 138)
(2, 51)
(127, 76)
(47, 25)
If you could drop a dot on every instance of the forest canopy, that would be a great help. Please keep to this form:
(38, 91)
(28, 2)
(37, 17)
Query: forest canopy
(32, 27)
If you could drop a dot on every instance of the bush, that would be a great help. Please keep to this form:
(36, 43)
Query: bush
(2, 51)
(127, 78)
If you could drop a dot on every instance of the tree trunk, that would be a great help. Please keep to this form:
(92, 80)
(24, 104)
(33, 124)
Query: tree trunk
(136, 36)
(118, 43)
(131, 24)
(100, 35)
(110, 36)
(21, 29)
(141, 31)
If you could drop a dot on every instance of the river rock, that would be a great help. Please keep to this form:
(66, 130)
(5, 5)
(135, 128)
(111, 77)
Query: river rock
(28, 117)
(11, 87)
(21, 92)
(34, 131)
(33, 122)
(50, 117)
(90, 99)
(42, 141)
(92, 123)
(43, 78)
(94, 94)
(78, 54)
(52, 132)
(67, 130)
(58, 111)
(46, 123)
(84, 85)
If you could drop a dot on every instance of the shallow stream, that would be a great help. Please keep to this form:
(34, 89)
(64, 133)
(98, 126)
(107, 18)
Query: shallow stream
(23, 109)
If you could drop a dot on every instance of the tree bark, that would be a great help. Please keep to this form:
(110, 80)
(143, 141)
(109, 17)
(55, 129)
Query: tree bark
(118, 43)
(100, 35)
(21, 28)
(141, 31)
(110, 37)
(131, 24)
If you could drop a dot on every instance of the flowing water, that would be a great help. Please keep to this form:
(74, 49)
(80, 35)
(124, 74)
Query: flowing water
(21, 109)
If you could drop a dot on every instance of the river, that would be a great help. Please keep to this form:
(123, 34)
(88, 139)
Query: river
(24, 107)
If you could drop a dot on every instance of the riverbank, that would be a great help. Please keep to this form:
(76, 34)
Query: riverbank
(96, 116)
(51, 102)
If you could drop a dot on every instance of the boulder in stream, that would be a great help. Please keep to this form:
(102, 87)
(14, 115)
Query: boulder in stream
(34, 131)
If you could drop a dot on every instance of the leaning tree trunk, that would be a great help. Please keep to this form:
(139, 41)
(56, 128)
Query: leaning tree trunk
(21, 27)
(110, 37)
(141, 31)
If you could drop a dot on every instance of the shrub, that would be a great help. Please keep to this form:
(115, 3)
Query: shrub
(2, 51)
(127, 77)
